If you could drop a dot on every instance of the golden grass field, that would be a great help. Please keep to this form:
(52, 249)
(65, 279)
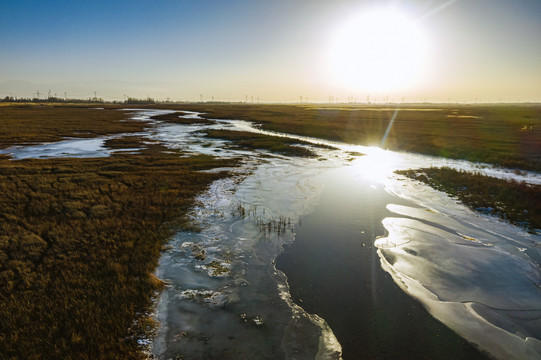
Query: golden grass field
(505, 135)
(81, 237)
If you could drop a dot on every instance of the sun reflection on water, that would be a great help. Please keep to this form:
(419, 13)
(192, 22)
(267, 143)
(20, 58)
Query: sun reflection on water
(376, 166)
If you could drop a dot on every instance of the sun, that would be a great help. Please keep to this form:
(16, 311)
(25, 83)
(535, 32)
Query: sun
(378, 50)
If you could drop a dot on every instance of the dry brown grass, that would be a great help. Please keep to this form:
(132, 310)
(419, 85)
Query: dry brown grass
(274, 144)
(41, 123)
(516, 202)
(80, 238)
(506, 135)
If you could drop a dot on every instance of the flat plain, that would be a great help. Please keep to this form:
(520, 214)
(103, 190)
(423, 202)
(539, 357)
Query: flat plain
(81, 237)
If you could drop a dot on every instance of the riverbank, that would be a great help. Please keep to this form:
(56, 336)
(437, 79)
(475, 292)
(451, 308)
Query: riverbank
(510, 200)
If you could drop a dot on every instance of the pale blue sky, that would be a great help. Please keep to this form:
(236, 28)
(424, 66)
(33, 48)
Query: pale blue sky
(275, 50)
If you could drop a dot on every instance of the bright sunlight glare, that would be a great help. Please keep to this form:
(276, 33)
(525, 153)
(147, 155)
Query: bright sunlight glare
(377, 164)
(378, 50)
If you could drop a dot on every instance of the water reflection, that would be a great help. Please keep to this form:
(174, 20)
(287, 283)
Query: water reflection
(244, 310)
(225, 299)
(334, 270)
(377, 165)
(66, 148)
(479, 276)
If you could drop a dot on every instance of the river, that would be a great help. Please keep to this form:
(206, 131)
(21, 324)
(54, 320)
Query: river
(352, 226)
(337, 256)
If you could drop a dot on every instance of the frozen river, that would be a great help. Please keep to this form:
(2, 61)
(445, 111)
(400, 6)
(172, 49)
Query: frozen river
(225, 299)
(477, 275)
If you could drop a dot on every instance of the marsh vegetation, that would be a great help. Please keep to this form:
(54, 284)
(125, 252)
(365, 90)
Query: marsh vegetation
(80, 238)
(253, 141)
(504, 135)
(31, 124)
(266, 224)
(516, 202)
(179, 118)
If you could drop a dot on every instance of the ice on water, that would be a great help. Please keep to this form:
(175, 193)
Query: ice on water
(224, 298)
(479, 276)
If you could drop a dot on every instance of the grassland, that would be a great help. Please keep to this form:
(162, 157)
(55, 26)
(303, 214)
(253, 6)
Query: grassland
(252, 141)
(504, 135)
(80, 238)
(516, 202)
(27, 124)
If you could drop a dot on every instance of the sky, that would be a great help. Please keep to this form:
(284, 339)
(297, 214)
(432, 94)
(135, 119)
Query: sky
(271, 51)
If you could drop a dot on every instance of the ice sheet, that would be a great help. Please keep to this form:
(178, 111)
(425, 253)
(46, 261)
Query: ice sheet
(478, 275)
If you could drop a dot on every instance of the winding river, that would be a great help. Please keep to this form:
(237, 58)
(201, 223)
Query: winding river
(382, 260)
(347, 218)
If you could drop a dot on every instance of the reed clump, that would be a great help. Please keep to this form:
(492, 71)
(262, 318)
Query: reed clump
(277, 225)
(243, 211)
(265, 224)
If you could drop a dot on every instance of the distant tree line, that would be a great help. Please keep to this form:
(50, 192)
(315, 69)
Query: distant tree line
(95, 100)
(52, 99)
